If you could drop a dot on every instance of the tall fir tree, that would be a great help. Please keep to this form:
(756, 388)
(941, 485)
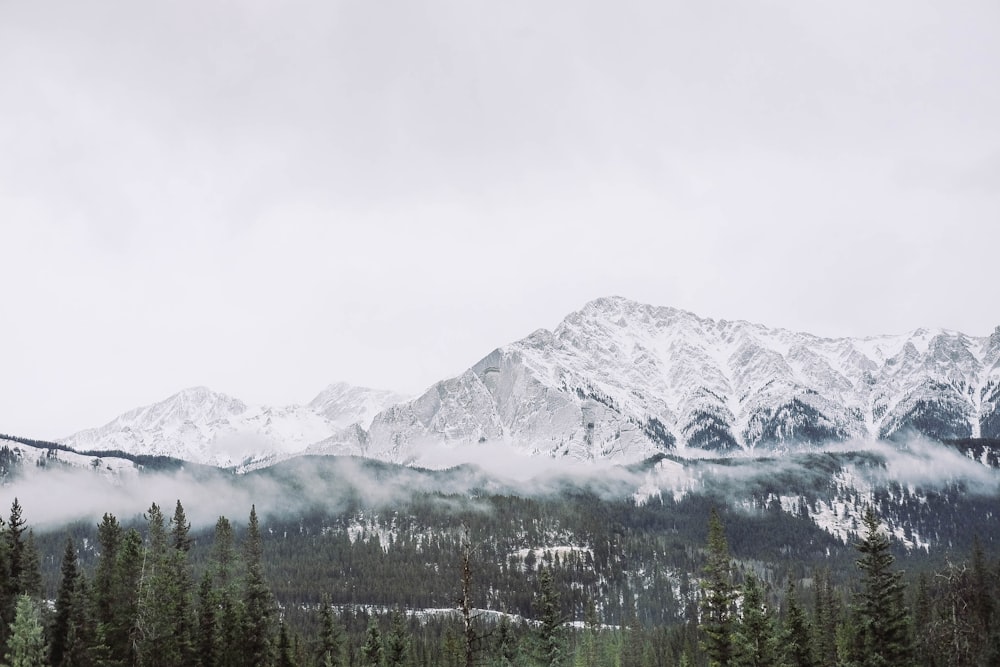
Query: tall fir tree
(372, 651)
(882, 622)
(550, 635)
(718, 595)
(797, 645)
(258, 604)
(754, 640)
(65, 601)
(397, 642)
(332, 639)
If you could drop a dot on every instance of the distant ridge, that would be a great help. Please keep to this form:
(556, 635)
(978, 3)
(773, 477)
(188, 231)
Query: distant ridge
(616, 380)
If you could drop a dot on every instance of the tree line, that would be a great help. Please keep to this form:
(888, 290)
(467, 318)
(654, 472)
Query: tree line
(145, 600)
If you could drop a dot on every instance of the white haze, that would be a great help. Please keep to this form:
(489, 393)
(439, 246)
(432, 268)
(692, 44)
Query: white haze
(54, 497)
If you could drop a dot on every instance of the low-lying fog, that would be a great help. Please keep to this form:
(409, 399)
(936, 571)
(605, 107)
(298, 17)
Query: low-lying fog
(52, 497)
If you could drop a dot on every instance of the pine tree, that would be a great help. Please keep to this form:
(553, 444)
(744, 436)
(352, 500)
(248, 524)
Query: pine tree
(122, 632)
(109, 537)
(286, 654)
(31, 569)
(65, 601)
(754, 641)
(826, 615)
(883, 625)
(796, 635)
(551, 643)
(26, 646)
(589, 657)
(718, 594)
(397, 642)
(208, 638)
(258, 603)
(14, 550)
(85, 646)
(223, 565)
(332, 640)
(372, 652)
(506, 644)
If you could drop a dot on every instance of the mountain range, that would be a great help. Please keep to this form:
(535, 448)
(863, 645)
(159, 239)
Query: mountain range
(616, 380)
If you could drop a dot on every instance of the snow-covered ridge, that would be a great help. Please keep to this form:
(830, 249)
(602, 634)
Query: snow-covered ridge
(208, 427)
(617, 380)
(623, 380)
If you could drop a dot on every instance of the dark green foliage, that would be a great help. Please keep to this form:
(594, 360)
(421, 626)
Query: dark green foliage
(754, 640)
(258, 603)
(332, 639)
(883, 627)
(397, 642)
(65, 602)
(551, 650)
(718, 594)
(796, 645)
(373, 652)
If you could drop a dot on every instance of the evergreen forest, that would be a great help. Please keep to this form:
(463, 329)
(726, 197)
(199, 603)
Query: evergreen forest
(566, 577)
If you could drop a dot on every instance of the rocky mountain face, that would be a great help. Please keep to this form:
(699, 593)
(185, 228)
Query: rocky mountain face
(615, 380)
(623, 380)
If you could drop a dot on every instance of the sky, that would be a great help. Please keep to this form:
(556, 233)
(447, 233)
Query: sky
(266, 198)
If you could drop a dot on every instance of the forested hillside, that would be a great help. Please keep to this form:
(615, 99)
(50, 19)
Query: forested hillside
(570, 575)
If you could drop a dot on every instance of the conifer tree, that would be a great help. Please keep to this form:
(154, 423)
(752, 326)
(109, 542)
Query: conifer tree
(883, 624)
(122, 632)
(754, 641)
(826, 615)
(109, 537)
(718, 594)
(397, 642)
(207, 623)
(65, 601)
(589, 653)
(257, 601)
(26, 646)
(551, 643)
(31, 569)
(506, 644)
(372, 652)
(286, 654)
(14, 549)
(797, 646)
(332, 640)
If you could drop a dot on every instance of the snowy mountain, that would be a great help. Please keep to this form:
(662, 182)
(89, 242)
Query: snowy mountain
(207, 427)
(616, 380)
(623, 380)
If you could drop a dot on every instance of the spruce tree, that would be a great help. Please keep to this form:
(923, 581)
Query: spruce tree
(65, 601)
(332, 639)
(109, 537)
(31, 569)
(208, 636)
(372, 652)
(26, 646)
(718, 594)
(551, 643)
(754, 641)
(286, 653)
(397, 642)
(258, 603)
(796, 642)
(883, 624)
(14, 549)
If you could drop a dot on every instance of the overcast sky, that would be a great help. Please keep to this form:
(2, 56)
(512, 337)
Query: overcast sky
(268, 197)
